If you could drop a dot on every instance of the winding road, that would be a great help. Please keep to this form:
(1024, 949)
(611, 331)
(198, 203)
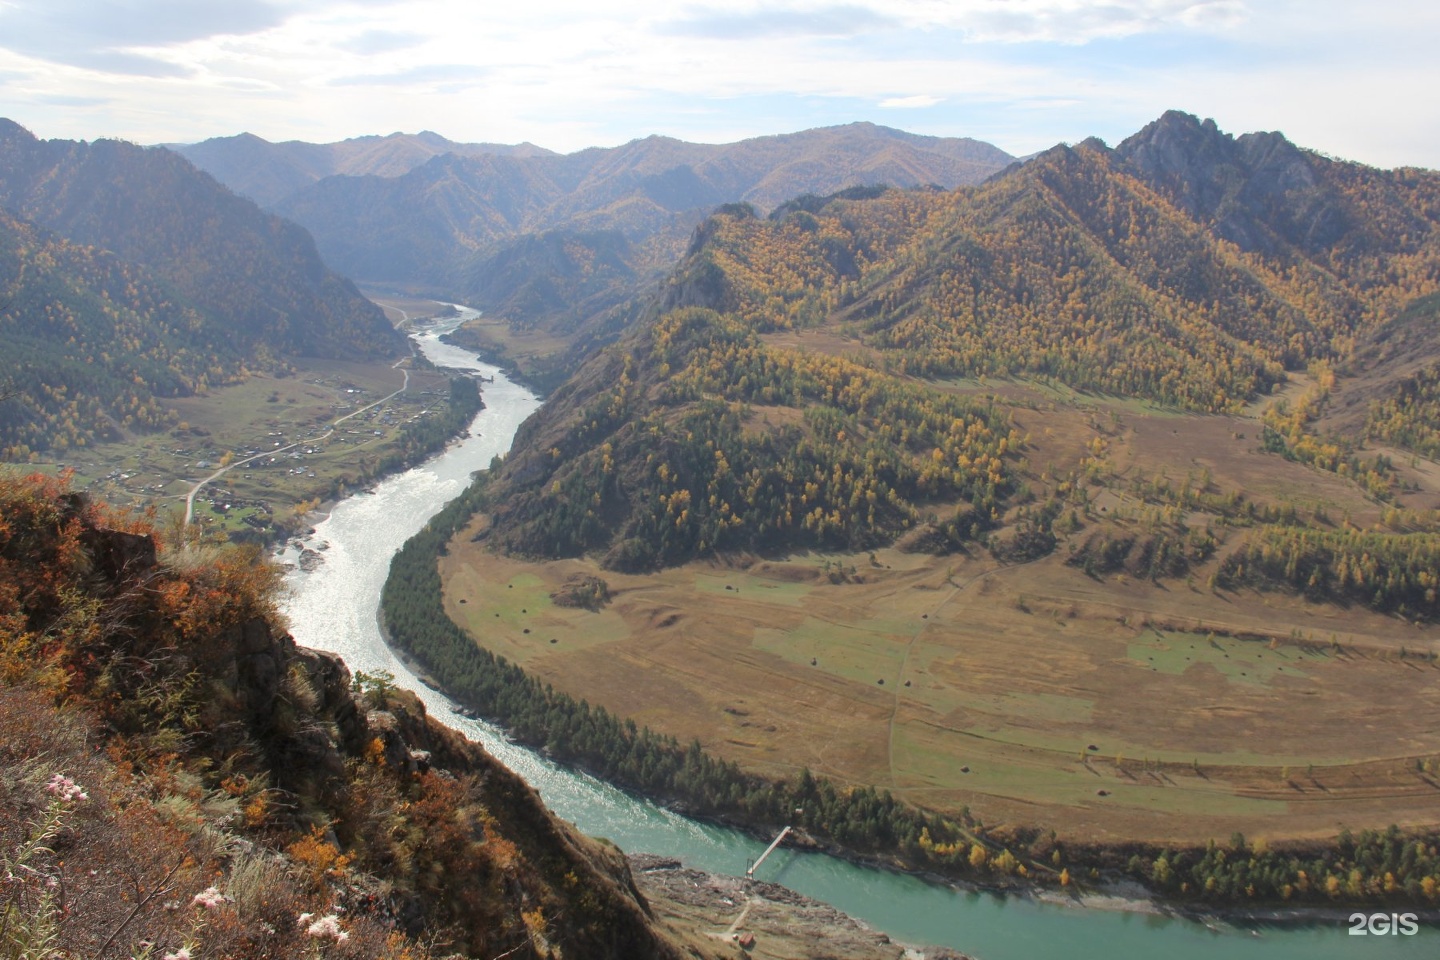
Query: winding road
(190, 497)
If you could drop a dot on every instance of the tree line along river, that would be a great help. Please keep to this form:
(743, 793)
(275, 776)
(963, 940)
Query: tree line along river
(333, 607)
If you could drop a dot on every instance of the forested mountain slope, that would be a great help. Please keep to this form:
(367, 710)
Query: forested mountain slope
(126, 274)
(90, 342)
(257, 279)
(1184, 267)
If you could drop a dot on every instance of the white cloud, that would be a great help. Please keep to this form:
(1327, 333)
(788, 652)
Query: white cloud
(1066, 21)
(1222, 14)
(828, 21)
(910, 103)
(449, 75)
(571, 73)
(103, 34)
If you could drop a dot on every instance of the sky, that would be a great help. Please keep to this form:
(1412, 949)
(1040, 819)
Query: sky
(1354, 80)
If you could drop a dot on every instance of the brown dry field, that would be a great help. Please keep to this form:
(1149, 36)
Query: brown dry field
(399, 309)
(520, 346)
(1024, 691)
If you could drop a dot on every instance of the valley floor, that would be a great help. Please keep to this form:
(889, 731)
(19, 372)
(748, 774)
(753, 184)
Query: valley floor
(281, 432)
(1107, 707)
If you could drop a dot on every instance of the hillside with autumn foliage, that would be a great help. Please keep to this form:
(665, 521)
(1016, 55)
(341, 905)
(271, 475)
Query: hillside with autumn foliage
(255, 277)
(1093, 267)
(178, 778)
(783, 392)
(127, 275)
(1061, 509)
(91, 343)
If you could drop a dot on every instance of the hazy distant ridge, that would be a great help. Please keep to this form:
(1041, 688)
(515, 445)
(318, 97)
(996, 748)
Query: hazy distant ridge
(425, 223)
(559, 243)
(269, 172)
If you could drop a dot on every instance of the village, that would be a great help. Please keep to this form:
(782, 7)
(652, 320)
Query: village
(305, 441)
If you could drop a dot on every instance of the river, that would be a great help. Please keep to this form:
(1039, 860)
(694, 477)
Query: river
(333, 607)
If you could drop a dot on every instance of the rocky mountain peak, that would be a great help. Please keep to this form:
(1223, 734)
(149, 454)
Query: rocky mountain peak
(1259, 190)
(1189, 159)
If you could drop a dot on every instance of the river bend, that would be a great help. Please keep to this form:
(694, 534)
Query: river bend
(333, 607)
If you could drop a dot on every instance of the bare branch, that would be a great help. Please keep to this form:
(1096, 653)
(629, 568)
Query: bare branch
(159, 890)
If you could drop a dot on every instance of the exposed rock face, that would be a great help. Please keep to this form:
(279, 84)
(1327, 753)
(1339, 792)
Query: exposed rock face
(1259, 190)
(125, 554)
(255, 677)
(718, 912)
(1191, 162)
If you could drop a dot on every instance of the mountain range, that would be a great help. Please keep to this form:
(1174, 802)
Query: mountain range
(556, 244)
(1184, 266)
(117, 255)
(269, 172)
(844, 369)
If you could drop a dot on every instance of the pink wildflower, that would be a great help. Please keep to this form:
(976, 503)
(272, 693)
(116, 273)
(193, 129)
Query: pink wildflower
(182, 954)
(209, 898)
(327, 928)
(66, 789)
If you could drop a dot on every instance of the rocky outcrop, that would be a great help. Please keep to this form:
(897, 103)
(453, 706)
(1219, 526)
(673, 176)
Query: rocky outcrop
(763, 919)
(1259, 190)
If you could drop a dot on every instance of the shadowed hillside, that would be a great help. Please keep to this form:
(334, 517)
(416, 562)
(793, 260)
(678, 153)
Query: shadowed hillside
(126, 275)
(171, 761)
(253, 275)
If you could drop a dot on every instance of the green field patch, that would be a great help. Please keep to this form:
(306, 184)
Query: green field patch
(842, 650)
(521, 598)
(498, 614)
(1211, 802)
(1000, 721)
(1083, 787)
(933, 693)
(925, 758)
(232, 520)
(938, 692)
(892, 626)
(1240, 661)
(1048, 708)
(754, 589)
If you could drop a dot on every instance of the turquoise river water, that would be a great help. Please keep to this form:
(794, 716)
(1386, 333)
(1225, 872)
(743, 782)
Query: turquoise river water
(333, 607)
